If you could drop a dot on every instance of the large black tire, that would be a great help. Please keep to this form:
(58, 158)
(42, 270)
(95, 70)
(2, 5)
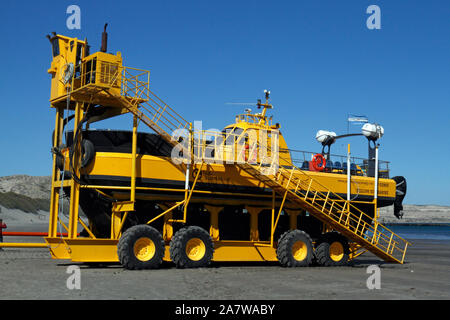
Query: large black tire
(332, 250)
(295, 249)
(191, 247)
(141, 247)
(87, 152)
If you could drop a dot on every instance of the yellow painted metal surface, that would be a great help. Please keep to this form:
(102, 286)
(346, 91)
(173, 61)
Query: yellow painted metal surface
(65, 49)
(123, 206)
(167, 253)
(144, 249)
(336, 251)
(254, 230)
(299, 250)
(92, 250)
(243, 251)
(58, 248)
(195, 249)
(168, 227)
(116, 219)
(214, 221)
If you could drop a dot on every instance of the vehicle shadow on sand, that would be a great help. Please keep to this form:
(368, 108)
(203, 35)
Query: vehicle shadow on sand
(357, 263)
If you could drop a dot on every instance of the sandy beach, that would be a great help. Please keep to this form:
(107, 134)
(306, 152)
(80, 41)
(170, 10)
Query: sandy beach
(32, 274)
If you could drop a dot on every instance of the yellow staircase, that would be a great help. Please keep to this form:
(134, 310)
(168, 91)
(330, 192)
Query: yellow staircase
(294, 185)
(150, 109)
(298, 187)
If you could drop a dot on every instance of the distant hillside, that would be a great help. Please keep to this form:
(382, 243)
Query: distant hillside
(23, 194)
(26, 193)
(30, 186)
(11, 200)
(416, 214)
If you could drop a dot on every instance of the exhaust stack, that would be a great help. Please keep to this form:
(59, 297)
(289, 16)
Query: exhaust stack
(104, 46)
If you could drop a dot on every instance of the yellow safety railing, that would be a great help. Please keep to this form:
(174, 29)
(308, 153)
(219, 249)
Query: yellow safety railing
(97, 72)
(132, 86)
(134, 81)
(150, 108)
(252, 118)
(221, 147)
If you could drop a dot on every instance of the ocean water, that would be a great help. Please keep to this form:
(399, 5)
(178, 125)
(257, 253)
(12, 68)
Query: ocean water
(422, 232)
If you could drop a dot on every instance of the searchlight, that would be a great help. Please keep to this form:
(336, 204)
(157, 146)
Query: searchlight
(326, 137)
(372, 131)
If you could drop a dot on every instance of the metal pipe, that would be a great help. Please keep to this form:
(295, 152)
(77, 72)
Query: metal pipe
(272, 220)
(348, 173)
(2, 226)
(188, 165)
(186, 182)
(104, 45)
(31, 234)
(134, 160)
(376, 173)
(24, 245)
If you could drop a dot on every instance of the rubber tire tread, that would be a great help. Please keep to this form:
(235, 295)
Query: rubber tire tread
(284, 248)
(125, 247)
(178, 247)
(88, 152)
(322, 252)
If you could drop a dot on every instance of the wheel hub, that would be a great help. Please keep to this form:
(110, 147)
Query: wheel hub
(144, 249)
(299, 250)
(195, 249)
(336, 251)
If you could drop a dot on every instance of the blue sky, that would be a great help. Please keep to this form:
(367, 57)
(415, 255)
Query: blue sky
(318, 58)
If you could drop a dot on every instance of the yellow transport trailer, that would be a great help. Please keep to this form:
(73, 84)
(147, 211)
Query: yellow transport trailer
(195, 196)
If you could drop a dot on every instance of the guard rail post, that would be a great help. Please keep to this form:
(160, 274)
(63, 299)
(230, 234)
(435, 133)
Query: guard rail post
(2, 226)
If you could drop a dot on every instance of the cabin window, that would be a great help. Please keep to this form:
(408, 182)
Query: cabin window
(78, 56)
(55, 47)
